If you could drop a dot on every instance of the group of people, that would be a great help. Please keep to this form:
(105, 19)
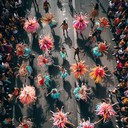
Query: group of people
(11, 26)
(13, 51)
(118, 14)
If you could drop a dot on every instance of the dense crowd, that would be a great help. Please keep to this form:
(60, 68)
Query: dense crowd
(118, 13)
(11, 29)
(11, 26)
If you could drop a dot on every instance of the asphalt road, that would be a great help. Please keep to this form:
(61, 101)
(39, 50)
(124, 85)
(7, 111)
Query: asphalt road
(40, 111)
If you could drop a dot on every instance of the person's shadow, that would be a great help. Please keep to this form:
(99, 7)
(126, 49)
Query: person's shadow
(59, 4)
(67, 88)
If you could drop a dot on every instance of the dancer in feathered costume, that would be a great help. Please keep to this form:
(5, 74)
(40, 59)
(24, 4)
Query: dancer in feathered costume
(101, 49)
(43, 80)
(19, 50)
(97, 74)
(49, 19)
(31, 25)
(102, 24)
(105, 110)
(80, 23)
(85, 124)
(41, 61)
(46, 43)
(79, 69)
(25, 123)
(55, 94)
(60, 119)
(25, 70)
(81, 93)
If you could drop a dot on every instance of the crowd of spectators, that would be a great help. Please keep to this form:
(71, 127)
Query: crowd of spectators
(118, 14)
(11, 27)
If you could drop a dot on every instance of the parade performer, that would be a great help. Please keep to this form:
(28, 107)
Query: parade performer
(20, 50)
(85, 124)
(64, 26)
(63, 72)
(63, 53)
(46, 43)
(55, 94)
(31, 25)
(25, 70)
(25, 123)
(100, 49)
(95, 12)
(27, 95)
(81, 93)
(49, 19)
(102, 24)
(44, 61)
(79, 69)
(43, 80)
(80, 23)
(105, 110)
(97, 74)
(60, 119)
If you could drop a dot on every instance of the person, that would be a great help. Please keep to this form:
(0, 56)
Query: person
(55, 94)
(46, 6)
(64, 26)
(63, 53)
(95, 12)
(76, 53)
(63, 72)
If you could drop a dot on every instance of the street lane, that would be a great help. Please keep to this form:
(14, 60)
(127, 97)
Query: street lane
(40, 111)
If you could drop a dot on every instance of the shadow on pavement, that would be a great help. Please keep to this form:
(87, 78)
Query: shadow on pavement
(66, 66)
(37, 115)
(72, 10)
(35, 46)
(85, 110)
(81, 45)
(57, 41)
(53, 71)
(68, 41)
(100, 91)
(18, 113)
(67, 87)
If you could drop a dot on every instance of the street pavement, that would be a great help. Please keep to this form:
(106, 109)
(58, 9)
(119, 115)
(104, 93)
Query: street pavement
(39, 113)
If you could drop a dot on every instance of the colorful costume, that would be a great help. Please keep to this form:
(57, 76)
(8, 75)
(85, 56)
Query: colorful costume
(63, 55)
(19, 49)
(25, 70)
(97, 74)
(44, 61)
(60, 119)
(81, 93)
(79, 69)
(46, 43)
(49, 19)
(102, 24)
(80, 23)
(105, 110)
(85, 124)
(27, 95)
(41, 80)
(64, 74)
(96, 52)
(31, 25)
(55, 94)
